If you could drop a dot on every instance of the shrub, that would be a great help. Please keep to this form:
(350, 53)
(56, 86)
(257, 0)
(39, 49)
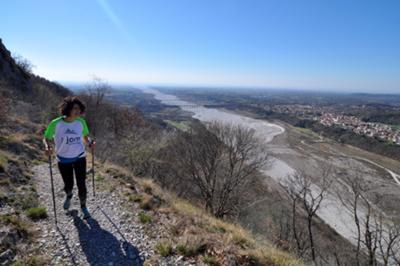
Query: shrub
(181, 249)
(193, 246)
(164, 249)
(36, 213)
(144, 218)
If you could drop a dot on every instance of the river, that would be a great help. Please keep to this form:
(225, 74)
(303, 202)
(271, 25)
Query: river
(331, 211)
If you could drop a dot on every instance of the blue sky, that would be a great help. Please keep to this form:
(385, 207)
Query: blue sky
(346, 45)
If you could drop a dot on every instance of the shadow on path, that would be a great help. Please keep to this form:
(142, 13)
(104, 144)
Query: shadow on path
(101, 247)
(65, 241)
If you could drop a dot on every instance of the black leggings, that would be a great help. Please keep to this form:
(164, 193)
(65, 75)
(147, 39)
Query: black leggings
(66, 170)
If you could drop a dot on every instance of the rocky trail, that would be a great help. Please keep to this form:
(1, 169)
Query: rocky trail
(105, 239)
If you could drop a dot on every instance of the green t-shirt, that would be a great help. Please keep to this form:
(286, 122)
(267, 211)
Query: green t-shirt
(68, 137)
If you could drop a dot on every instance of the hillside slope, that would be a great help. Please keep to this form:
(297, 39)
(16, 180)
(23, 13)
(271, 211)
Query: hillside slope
(135, 221)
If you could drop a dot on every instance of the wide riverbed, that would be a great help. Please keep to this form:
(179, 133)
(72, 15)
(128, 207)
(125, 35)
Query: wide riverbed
(331, 211)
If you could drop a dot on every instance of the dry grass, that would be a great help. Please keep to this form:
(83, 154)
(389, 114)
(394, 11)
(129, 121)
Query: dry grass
(164, 249)
(4, 156)
(31, 261)
(17, 223)
(135, 197)
(192, 232)
(149, 202)
(149, 187)
(224, 236)
(17, 138)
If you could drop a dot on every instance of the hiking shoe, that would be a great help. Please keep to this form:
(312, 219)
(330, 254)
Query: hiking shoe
(86, 213)
(67, 203)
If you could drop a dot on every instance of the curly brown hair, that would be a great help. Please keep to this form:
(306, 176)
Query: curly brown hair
(68, 103)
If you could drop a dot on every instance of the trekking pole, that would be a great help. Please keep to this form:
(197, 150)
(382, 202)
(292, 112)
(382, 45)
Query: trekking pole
(52, 189)
(94, 194)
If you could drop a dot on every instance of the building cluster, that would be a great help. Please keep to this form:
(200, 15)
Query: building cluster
(378, 130)
(298, 109)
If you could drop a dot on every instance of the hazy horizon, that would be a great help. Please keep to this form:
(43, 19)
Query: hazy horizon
(315, 45)
(116, 85)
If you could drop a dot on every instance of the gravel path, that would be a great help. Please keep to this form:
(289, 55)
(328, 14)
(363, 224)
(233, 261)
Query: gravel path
(105, 239)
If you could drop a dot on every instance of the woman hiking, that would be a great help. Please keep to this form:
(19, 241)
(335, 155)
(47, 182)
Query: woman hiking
(69, 132)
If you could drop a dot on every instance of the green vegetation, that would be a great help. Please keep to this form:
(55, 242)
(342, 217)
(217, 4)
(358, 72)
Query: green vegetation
(135, 197)
(210, 260)
(183, 250)
(181, 125)
(36, 213)
(164, 249)
(307, 132)
(145, 218)
(99, 178)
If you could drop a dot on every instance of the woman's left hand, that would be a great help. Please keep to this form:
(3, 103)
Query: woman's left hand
(92, 144)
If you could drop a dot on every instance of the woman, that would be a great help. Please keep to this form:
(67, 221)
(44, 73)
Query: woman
(69, 131)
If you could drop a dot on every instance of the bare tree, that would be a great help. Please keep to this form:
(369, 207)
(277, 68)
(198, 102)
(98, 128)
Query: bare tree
(23, 63)
(305, 190)
(140, 148)
(244, 155)
(352, 200)
(113, 126)
(371, 233)
(389, 242)
(95, 93)
(377, 237)
(220, 160)
(48, 101)
(300, 235)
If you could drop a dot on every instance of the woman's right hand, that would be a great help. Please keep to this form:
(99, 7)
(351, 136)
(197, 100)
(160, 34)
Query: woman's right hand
(48, 151)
